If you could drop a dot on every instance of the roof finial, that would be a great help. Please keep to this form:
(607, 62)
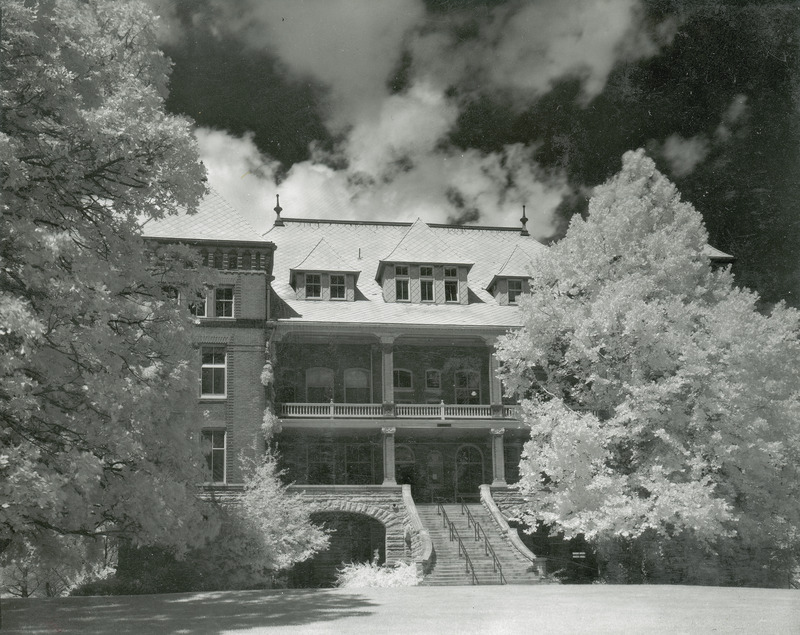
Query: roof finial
(524, 221)
(278, 210)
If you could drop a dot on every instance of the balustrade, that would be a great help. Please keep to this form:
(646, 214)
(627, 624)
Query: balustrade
(403, 411)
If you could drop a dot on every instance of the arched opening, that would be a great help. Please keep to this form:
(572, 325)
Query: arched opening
(354, 538)
(469, 472)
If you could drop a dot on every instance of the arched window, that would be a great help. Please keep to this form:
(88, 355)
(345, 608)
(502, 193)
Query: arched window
(218, 259)
(246, 260)
(467, 386)
(233, 260)
(319, 385)
(356, 385)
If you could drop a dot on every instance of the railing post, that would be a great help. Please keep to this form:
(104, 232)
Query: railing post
(441, 409)
(330, 409)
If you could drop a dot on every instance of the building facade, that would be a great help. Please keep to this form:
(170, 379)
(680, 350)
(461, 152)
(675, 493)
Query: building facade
(380, 337)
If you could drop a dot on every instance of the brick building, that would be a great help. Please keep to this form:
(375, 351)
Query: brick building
(390, 413)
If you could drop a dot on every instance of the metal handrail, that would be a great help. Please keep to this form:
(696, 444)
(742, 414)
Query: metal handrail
(488, 549)
(462, 550)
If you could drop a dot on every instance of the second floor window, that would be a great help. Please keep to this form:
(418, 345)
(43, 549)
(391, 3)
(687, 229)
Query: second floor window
(403, 380)
(356, 385)
(337, 287)
(313, 285)
(319, 385)
(514, 290)
(451, 284)
(213, 372)
(426, 283)
(224, 302)
(198, 307)
(401, 283)
(433, 380)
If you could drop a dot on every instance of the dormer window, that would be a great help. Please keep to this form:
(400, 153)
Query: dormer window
(514, 290)
(401, 283)
(338, 287)
(426, 283)
(313, 285)
(451, 284)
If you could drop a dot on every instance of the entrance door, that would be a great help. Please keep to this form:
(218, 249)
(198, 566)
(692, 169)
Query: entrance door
(468, 473)
(405, 468)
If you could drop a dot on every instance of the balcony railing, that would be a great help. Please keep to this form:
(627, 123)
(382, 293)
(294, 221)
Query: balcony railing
(440, 411)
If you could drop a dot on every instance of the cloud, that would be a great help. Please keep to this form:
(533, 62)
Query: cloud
(683, 155)
(439, 187)
(392, 154)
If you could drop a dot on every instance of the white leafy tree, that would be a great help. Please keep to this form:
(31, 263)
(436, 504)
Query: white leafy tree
(662, 403)
(94, 357)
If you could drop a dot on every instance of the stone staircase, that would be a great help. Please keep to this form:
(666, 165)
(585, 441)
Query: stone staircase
(450, 568)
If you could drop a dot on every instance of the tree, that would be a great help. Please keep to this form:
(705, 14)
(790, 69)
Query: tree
(94, 350)
(663, 406)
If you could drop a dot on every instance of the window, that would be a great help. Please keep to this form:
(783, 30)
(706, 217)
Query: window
(433, 380)
(337, 287)
(313, 285)
(467, 387)
(214, 451)
(233, 260)
(213, 372)
(223, 297)
(356, 385)
(319, 385)
(198, 307)
(403, 385)
(426, 283)
(514, 290)
(451, 284)
(218, 259)
(401, 283)
(246, 260)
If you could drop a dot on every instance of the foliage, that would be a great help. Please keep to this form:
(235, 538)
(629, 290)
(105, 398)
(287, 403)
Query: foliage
(93, 347)
(54, 569)
(264, 531)
(369, 574)
(661, 403)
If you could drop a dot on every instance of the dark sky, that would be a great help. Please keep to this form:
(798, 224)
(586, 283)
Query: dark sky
(463, 111)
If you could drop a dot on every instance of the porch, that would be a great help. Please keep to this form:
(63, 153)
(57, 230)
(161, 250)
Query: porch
(440, 411)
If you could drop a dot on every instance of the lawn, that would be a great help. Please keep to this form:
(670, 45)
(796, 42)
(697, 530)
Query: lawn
(492, 609)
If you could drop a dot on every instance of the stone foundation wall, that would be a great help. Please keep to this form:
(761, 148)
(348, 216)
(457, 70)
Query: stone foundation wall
(383, 503)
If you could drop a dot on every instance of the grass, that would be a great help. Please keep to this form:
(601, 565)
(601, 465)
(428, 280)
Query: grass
(410, 610)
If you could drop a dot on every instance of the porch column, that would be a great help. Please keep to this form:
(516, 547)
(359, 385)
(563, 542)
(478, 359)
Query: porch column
(495, 387)
(498, 458)
(387, 376)
(388, 456)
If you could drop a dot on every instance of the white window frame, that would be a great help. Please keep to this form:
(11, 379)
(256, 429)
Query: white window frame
(224, 302)
(401, 281)
(456, 388)
(211, 432)
(317, 285)
(436, 389)
(200, 302)
(517, 292)
(409, 388)
(451, 280)
(426, 280)
(342, 286)
(214, 366)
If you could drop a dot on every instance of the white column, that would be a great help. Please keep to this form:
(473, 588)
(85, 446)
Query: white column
(388, 456)
(498, 458)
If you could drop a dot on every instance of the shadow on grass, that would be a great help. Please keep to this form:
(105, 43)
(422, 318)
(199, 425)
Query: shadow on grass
(185, 613)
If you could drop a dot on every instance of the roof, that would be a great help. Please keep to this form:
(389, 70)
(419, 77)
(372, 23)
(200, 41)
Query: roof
(360, 246)
(518, 265)
(716, 255)
(421, 244)
(323, 258)
(215, 220)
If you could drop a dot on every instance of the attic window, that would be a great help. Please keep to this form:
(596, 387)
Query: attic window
(313, 285)
(451, 284)
(514, 289)
(337, 287)
(401, 283)
(426, 283)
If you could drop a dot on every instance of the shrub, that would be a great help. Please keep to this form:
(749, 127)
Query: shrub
(368, 574)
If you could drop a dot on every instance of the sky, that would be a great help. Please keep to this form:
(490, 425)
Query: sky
(464, 111)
